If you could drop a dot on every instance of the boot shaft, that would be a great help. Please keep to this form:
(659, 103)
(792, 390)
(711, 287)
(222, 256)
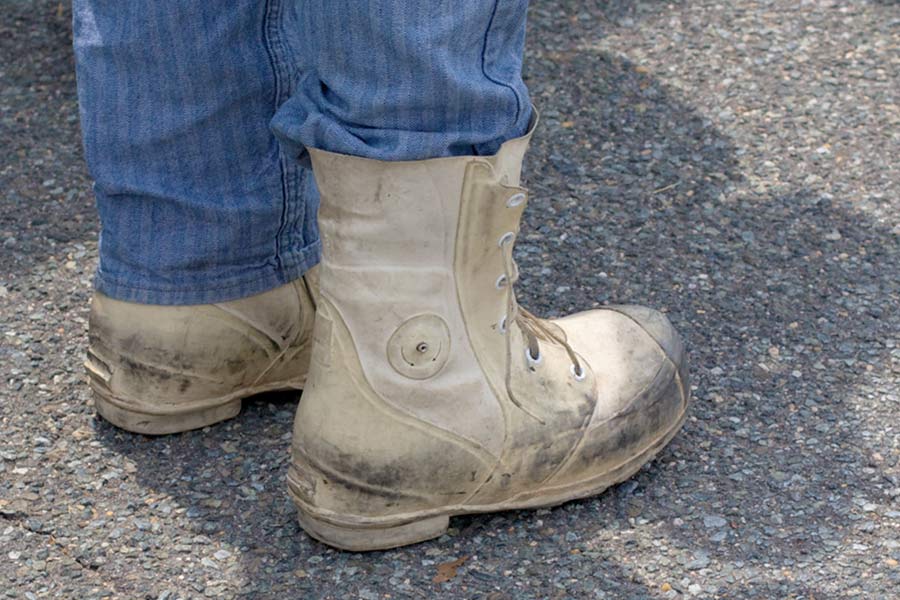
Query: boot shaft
(405, 246)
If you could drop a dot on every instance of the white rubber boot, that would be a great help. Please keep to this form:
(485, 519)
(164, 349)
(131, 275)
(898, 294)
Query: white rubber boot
(164, 369)
(431, 392)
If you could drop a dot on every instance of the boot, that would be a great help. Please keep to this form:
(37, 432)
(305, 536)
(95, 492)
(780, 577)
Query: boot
(164, 369)
(431, 391)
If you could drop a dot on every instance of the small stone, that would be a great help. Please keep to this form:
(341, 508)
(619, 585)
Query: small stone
(701, 561)
(714, 521)
(222, 554)
(35, 525)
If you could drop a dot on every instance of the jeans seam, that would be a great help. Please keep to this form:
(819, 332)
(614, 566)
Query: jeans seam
(219, 286)
(278, 271)
(484, 62)
(275, 51)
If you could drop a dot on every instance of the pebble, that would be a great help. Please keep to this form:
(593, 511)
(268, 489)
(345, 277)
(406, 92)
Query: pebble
(222, 554)
(711, 521)
(701, 561)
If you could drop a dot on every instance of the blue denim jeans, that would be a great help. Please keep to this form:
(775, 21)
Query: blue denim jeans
(195, 117)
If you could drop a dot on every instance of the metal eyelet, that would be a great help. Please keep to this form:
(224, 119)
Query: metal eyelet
(515, 200)
(506, 237)
(501, 282)
(533, 360)
(501, 326)
(580, 374)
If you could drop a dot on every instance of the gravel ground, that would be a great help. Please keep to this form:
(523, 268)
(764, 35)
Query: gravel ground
(735, 162)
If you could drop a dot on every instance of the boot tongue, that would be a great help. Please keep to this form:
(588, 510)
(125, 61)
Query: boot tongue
(507, 163)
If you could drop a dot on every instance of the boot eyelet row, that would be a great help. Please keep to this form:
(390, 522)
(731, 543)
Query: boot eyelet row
(579, 374)
(501, 282)
(506, 238)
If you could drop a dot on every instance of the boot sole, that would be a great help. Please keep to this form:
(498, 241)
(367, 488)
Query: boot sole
(151, 420)
(412, 528)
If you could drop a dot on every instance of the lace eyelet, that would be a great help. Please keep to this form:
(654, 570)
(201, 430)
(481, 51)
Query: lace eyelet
(501, 282)
(506, 238)
(515, 200)
(580, 374)
(533, 360)
(501, 326)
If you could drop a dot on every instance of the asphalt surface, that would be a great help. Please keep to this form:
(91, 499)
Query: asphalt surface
(733, 162)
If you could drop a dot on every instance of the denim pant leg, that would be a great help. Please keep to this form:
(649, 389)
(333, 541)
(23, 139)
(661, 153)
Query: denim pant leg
(407, 79)
(196, 202)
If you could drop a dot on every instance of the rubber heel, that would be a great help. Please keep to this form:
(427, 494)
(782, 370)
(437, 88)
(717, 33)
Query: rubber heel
(364, 539)
(161, 424)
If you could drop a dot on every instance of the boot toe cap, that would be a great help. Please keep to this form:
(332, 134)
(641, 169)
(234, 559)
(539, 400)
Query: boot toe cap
(640, 367)
(628, 347)
(656, 325)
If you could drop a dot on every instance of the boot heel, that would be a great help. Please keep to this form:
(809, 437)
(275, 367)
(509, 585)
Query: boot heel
(161, 424)
(362, 539)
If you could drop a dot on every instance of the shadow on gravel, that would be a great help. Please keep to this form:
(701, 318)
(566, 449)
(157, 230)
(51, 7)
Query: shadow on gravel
(780, 298)
(46, 199)
(784, 295)
(229, 482)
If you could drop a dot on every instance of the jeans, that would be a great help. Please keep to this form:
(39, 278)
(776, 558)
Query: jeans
(195, 117)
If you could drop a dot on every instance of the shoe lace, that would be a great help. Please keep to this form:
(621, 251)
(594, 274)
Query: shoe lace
(534, 329)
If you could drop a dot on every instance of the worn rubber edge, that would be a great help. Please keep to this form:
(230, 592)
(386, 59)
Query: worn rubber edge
(411, 528)
(149, 419)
